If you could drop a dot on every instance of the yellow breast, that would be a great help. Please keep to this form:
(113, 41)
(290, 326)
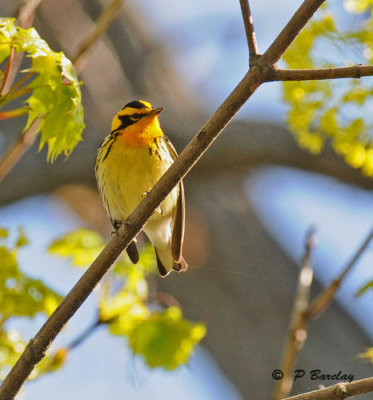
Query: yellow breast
(131, 168)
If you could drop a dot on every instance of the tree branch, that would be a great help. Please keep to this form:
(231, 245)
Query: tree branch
(303, 313)
(297, 332)
(24, 141)
(24, 18)
(35, 350)
(290, 31)
(250, 31)
(27, 138)
(337, 392)
(354, 71)
(320, 304)
(84, 335)
(102, 24)
(26, 13)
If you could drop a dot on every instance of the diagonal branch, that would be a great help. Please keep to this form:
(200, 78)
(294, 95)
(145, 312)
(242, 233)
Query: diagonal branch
(354, 71)
(102, 24)
(26, 13)
(297, 332)
(337, 392)
(250, 31)
(325, 297)
(35, 350)
(291, 31)
(302, 316)
(24, 141)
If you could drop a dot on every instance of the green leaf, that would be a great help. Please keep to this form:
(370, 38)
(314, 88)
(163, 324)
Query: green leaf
(56, 96)
(81, 246)
(357, 6)
(146, 265)
(4, 233)
(11, 347)
(50, 363)
(367, 355)
(7, 31)
(335, 111)
(362, 290)
(22, 239)
(21, 295)
(165, 339)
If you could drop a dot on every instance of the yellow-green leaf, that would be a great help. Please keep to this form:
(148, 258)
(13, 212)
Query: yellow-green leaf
(165, 339)
(82, 246)
(55, 91)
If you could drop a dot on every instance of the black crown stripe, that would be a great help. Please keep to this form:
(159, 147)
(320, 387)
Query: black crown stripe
(135, 104)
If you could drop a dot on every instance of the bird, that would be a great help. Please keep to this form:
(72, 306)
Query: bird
(129, 162)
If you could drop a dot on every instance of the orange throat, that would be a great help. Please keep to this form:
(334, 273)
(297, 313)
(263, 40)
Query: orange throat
(142, 133)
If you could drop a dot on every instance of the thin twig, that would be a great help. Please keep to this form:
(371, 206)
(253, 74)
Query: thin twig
(26, 139)
(250, 31)
(35, 350)
(290, 31)
(322, 301)
(7, 71)
(84, 335)
(26, 13)
(337, 392)
(355, 71)
(297, 332)
(21, 82)
(24, 18)
(102, 24)
(18, 149)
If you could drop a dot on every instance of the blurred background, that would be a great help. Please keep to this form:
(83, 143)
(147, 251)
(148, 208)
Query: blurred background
(250, 202)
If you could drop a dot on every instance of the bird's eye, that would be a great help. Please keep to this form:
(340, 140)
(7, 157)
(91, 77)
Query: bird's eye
(135, 117)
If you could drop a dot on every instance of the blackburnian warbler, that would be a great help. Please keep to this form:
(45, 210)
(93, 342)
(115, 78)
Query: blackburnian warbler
(129, 162)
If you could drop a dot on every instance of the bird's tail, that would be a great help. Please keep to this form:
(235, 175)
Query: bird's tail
(166, 262)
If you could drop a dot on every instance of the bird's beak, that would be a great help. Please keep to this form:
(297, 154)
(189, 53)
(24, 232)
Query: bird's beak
(156, 111)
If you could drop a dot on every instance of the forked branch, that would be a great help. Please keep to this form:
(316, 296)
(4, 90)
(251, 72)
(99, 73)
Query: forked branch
(297, 332)
(250, 31)
(324, 299)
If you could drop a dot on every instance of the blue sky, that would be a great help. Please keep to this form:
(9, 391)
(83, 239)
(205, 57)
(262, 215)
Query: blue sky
(290, 201)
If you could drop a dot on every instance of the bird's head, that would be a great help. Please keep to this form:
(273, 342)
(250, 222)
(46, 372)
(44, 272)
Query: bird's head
(138, 113)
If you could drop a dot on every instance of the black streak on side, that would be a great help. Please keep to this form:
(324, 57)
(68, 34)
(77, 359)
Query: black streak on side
(125, 121)
(108, 150)
(157, 148)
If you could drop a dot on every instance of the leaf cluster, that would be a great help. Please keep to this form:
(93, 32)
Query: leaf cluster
(55, 90)
(335, 111)
(161, 336)
(20, 296)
